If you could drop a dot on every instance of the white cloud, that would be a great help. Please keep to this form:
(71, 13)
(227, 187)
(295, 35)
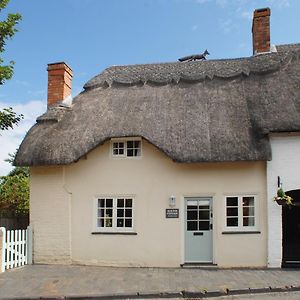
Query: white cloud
(247, 15)
(280, 3)
(11, 139)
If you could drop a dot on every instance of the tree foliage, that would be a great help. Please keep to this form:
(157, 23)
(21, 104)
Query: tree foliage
(14, 191)
(8, 117)
(7, 30)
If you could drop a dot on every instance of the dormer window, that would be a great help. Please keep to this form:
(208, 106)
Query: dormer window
(126, 147)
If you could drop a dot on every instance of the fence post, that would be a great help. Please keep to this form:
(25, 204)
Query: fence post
(29, 241)
(2, 248)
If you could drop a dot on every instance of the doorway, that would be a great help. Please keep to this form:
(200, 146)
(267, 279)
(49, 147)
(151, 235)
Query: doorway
(198, 230)
(291, 231)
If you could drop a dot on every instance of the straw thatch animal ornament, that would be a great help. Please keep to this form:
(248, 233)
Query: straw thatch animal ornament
(195, 57)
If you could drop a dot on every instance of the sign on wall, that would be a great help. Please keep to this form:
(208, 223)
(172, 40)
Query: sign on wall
(172, 213)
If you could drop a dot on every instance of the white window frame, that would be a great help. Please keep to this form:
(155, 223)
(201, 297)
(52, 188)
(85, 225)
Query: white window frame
(114, 227)
(125, 140)
(240, 226)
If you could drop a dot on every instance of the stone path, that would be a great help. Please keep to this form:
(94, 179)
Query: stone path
(83, 281)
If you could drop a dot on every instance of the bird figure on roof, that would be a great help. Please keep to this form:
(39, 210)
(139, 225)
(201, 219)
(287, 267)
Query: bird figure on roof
(195, 57)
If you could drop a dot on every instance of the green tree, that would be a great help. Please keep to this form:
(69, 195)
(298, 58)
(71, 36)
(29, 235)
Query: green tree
(8, 117)
(14, 191)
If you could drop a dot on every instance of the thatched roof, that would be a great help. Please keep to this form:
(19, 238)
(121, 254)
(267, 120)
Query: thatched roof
(215, 110)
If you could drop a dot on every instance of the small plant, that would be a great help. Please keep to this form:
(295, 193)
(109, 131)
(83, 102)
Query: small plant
(282, 198)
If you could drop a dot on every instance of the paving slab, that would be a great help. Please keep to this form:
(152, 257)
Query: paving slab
(89, 281)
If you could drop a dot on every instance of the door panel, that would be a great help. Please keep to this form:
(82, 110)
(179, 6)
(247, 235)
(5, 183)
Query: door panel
(291, 231)
(198, 230)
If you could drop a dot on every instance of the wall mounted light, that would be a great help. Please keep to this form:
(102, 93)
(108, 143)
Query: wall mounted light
(279, 183)
(172, 201)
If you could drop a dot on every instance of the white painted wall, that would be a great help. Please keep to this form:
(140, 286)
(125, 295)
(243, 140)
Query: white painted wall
(152, 179)
(286, 164)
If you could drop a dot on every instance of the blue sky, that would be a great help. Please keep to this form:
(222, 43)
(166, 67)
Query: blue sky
(91, 35)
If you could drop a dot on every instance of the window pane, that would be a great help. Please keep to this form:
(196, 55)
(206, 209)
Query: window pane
(120, 213)
(192, 225)
(121, 151)
(232, 201)
(192, 215)
(109, 202)
(108, 222)
(248, 221)
(232, 222)
(100, 213)
(109, 213)
(120, 202)
(204, 215)
(130, 144)
(232, 211)
(204, 207)
(128, 212)
(128, 202)
(203, 225)
(120, 222)
(248, 201)
(100, 222)
(130, 152)
(128, 223)
(248, 211)
(189, 207)
(101, 202)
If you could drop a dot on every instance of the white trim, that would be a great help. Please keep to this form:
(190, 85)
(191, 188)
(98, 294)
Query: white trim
(240, 227)
(125, 140)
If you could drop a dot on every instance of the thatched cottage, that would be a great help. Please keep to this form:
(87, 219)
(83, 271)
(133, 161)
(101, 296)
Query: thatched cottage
(170, 164)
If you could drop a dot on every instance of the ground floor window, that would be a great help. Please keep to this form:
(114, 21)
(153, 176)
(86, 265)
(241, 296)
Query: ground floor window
(115, 213)
(240, 212)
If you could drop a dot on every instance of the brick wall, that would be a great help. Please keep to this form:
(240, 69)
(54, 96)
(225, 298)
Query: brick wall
(59, 82)
(261, 30)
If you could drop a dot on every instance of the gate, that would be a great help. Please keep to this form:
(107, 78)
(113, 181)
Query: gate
(16, 248)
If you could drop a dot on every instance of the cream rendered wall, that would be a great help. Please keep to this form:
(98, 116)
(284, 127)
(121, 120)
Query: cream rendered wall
(50, 215)
(151, 179)
(285, 163)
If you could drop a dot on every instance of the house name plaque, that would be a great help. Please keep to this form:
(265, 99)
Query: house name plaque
(172, 213)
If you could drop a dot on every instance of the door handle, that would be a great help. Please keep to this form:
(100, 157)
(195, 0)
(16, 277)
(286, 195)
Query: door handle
(198, 233)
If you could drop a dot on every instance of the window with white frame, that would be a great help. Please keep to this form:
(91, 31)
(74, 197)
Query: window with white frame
(240, 212)
(127, 147)
(115, 214)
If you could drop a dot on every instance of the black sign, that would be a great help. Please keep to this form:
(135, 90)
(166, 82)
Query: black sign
(172, 213)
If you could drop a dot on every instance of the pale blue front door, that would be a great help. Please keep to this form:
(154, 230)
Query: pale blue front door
(198, 230)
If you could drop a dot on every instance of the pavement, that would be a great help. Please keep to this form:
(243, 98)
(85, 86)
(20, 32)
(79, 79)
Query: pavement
(90, 282)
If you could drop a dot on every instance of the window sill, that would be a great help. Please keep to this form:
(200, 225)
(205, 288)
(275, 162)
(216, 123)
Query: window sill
(241, 232)
(114, 232)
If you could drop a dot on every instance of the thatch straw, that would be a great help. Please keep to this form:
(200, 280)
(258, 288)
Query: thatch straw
(219, 110)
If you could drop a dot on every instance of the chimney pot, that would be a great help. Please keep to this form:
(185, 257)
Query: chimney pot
(261, 30)
(59, 82)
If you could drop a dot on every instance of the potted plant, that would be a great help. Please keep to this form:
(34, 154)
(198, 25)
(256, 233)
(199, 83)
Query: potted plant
(282, 199)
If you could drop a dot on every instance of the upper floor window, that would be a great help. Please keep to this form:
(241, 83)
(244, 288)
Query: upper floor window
(126, 147)
(240, 212)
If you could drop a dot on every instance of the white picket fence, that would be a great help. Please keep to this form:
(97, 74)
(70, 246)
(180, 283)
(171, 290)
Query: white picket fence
(16, 248)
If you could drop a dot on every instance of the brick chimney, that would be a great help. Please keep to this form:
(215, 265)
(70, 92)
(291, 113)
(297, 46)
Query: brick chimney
(59, 82)
(261, 30)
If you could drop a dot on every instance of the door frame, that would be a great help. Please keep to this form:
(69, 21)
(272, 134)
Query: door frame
(183, 220)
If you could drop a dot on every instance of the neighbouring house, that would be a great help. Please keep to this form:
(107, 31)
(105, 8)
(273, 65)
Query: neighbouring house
(170, 164)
